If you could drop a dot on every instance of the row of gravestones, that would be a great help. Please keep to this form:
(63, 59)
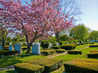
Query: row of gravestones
(35, 48)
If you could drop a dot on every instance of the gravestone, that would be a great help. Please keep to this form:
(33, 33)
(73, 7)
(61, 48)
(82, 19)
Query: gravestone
(1, 46)
(18, 48)
(10, 48)
(57, 44)
(36, 49)
(92, 40)
(50, 45)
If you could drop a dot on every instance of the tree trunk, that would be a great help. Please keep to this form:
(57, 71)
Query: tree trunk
(57, 37)
(3, 44)
(28, 48)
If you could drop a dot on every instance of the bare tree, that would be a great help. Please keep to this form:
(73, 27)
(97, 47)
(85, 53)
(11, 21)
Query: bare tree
(72, 8)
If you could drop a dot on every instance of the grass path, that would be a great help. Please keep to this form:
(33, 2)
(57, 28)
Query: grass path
(51, 56)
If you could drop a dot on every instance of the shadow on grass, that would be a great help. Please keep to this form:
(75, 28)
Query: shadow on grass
(11, 72)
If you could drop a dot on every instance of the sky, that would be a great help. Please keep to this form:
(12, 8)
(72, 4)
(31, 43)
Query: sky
(89, 16)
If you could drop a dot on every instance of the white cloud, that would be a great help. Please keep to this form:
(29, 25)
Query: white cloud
(92, 25)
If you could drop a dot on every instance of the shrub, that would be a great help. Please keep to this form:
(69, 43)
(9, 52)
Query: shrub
(68, 46)
(93, 54)
(2, 51)
(60, 50)
(54, 44)
(56, 47)
(74, 52)
(82, 66)
(28, 68)
(50, 64)
(93, 46)
(24, 47)
(47, 52)
(45, 45)
(9, 53)
(24, 44)
(6, 53)
(64, 42)
(6, 47)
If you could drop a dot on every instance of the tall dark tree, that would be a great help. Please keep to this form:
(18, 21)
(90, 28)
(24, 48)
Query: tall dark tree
(93, 35)
(79, 32)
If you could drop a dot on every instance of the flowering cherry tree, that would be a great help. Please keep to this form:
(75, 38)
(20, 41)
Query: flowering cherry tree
(35, 20)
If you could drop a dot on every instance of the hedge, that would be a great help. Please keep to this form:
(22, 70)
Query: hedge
(56, 47)
(10, 53)
(74, 52)
(50, 64)
(60, 50)
(6, 47)
(82, 66)
(93, 46)
(47, 52)
(68, 46)
(24, 47)
(44, 45)
(93, 54)
(89, 43)
(6, 53)
(28, 68)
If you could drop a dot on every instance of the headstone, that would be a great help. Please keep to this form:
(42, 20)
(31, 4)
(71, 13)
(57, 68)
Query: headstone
(92, 40)
(10, 48)
(50, 45)
(57, 44)
(36, 49)
(1, 46)
(18, 48)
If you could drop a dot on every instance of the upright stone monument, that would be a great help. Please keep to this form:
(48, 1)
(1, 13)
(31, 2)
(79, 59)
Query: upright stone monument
(36, 48)
(1, 46)
(50, 45)
(57, 44)
(18, 48)
(10, 48)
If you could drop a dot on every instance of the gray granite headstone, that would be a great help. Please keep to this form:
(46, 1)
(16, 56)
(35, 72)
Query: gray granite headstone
(1, 46)
(50, 45)
(57, 44)
(10, 48)
(18, 48)
(36, 49)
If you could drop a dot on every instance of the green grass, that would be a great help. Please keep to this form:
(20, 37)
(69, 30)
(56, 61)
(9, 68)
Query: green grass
(81, 46)
(87, 50)
(8, 71)
(11, 60)
(70, 57)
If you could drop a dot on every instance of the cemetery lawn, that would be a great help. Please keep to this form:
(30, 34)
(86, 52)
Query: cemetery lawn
(87, 50)
(11, 60)
(81, 46)
(69, 57)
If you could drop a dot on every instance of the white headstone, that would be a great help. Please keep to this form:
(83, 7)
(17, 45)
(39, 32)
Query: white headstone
(1, 46)
(36, 49)
(50, 45)
(10, 48)
(18, 48)
(57, 44)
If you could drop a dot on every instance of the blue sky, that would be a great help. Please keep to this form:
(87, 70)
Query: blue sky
(89, 15)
